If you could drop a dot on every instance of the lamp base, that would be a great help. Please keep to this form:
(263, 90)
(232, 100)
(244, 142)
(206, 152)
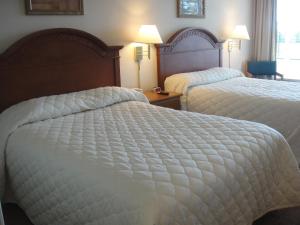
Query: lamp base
(138, 53)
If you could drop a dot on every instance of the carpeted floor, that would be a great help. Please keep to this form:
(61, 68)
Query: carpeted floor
(15, 216)
(283, 217)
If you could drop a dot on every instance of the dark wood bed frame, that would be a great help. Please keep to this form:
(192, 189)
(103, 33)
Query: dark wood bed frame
(56, 61)
(188, 50)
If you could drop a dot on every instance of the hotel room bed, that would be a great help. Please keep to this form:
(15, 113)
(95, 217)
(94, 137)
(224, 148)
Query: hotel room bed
(226, 92)
(190, 63)
(106, 156)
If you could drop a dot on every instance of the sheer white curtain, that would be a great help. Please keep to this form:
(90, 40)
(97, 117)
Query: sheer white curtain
(265, 29)
(288, 46)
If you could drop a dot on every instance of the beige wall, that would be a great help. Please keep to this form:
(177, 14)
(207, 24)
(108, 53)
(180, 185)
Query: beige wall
(117, 22)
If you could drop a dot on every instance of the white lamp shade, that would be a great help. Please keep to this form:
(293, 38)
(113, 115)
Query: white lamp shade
(149, 34)
(240, 32)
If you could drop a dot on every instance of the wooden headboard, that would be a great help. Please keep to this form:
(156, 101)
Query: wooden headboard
(188, 50)
(56, 61)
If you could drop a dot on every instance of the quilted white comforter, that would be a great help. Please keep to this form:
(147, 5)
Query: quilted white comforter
(225, 92)
(106, 156)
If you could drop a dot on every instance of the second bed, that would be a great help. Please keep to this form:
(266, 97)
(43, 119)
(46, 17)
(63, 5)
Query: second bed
(190, 63)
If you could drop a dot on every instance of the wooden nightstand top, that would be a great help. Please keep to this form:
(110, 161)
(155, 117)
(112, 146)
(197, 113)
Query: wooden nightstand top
(154, 97)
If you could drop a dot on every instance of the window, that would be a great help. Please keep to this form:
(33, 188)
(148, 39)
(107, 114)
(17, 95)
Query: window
(288, 39)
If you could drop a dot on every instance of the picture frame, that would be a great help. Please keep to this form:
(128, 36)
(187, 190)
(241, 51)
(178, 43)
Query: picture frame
(54, 7)
(191, 8)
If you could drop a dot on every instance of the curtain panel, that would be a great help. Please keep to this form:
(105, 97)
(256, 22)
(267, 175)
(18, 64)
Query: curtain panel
(265, 30)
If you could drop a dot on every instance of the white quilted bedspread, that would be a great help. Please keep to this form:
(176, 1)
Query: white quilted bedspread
(226, 92)
(274, 103)
(108, 157)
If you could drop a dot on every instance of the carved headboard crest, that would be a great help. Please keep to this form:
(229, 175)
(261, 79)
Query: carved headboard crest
(188, 32)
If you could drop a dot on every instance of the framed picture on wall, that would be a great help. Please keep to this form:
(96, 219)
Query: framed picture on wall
(191, 8)
(54, 7)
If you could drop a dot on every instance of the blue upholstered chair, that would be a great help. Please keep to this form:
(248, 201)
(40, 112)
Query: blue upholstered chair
(263, 69)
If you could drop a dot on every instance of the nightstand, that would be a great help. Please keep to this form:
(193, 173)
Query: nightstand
(169, 101)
